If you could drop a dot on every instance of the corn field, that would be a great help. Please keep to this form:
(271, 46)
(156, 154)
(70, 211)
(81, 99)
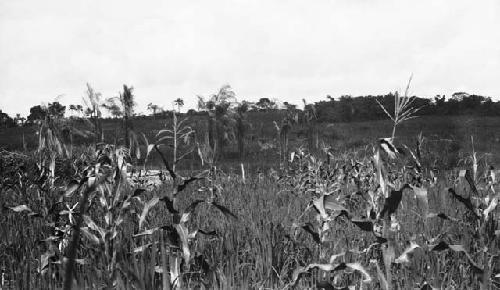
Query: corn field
(372, 219)
(384, 216)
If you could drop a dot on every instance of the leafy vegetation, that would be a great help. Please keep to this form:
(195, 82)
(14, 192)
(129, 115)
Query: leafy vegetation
(396, 212)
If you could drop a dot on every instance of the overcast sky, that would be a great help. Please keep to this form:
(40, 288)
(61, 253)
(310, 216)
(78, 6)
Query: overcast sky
(279, 49)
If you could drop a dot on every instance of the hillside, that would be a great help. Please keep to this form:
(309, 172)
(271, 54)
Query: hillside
(450, 133)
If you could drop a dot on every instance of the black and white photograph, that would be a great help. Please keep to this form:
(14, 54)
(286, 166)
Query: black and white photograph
(250, 144)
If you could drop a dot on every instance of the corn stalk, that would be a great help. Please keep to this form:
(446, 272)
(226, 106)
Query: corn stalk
(403, 110)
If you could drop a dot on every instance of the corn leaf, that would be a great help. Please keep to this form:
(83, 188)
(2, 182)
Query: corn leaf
(146, 209)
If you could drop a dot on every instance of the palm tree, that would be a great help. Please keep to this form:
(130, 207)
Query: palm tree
(242, 125)
(93, 103)
(127, 101)
(123, 106)
(179, 103)
(77, 109)
(221, 120)
(153, 108)
(309, 119)
(283, 129)
(19, 120)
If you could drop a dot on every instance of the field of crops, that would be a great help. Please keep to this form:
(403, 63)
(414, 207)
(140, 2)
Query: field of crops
(267, 145)
(388, 214)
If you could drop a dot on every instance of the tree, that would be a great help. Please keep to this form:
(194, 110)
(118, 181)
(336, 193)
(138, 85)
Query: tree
(164, 113)
(56, 110)
(113, 107)
(19, 120)
(265, 104)
(123, 106)
(283, 129)
(346, 108)
(309, 119)
(179, 103)
(77, 109)
(153, 108)
(220, 117)
(128, 104)
(92, 110)
(37, 113)
(459, 96)
(289, 106)
(6, 121)
(242, 125)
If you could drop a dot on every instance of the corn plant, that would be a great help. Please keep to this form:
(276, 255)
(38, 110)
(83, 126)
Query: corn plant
(178, 233)
(403, 110)
(379, 189)
(179, 132)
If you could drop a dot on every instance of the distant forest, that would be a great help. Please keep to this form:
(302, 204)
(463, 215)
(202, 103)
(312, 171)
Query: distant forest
(365, 108)
(343, 109)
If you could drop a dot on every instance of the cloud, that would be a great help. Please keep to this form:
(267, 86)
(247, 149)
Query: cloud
(290, 50)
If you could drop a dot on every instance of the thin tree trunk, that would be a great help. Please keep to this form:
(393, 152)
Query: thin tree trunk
(241, 146)
(125, 128)
(71, 142)
(101, 132)
(175, 143)
(241, 138)
(211, 132)
(220, 143)
(96, 129)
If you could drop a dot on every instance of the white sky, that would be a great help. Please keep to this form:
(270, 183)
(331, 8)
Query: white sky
(285, 49)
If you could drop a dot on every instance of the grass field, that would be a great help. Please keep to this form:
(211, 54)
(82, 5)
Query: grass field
(337, 220)
(454, 132)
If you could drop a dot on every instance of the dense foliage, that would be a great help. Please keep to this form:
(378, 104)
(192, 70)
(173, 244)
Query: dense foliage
(364, 108)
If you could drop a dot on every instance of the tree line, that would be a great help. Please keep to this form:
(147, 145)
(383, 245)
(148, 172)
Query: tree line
(221, 120)
(343, 109)
(367, 108)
